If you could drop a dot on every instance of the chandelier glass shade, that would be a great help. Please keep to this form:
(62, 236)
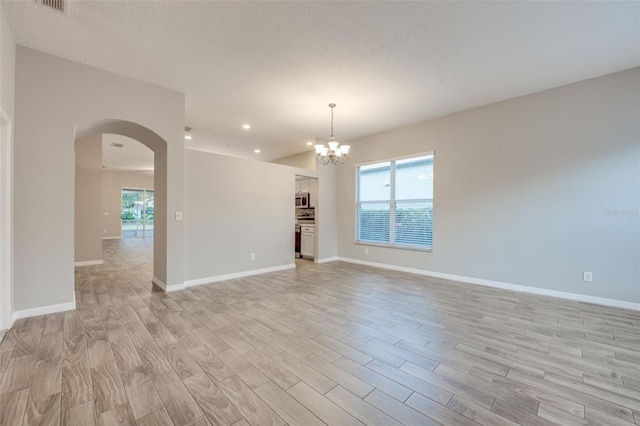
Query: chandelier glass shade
(334, 153)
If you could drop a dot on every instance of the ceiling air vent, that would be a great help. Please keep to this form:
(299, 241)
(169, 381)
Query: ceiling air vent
(58, 5)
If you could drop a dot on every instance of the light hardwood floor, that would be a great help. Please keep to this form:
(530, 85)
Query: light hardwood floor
(333, 344)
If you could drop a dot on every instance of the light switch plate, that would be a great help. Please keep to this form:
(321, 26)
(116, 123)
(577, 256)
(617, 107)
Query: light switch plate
(178, 215)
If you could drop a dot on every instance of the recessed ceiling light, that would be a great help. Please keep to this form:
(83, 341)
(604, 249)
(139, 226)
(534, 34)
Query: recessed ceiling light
(188, 137)
(246, 126)
(309, 143)
(257, 151)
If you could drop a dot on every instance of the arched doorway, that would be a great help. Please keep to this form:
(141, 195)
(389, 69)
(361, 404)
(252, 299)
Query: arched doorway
(159, 147)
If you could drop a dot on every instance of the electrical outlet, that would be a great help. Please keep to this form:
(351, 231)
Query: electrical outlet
(366, 251)
(587, 276)
(253, 256)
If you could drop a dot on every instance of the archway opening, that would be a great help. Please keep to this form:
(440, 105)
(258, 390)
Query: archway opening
(95, 131)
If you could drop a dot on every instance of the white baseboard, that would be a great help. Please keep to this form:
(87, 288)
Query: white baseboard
(505, 286)
(328, 259)
(44, 310)
(111, 238)
(209, 280)
(88, 263)
(4, 331)
(159, 283)
(7, 327)
(175, 287)
(167, 288)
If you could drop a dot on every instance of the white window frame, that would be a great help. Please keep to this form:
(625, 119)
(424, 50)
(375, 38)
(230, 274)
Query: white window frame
(392, 203)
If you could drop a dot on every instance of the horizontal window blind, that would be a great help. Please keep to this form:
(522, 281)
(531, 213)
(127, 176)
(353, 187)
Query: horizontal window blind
(395, 202)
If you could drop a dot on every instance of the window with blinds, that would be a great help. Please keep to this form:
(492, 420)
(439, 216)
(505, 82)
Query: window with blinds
(395, 202)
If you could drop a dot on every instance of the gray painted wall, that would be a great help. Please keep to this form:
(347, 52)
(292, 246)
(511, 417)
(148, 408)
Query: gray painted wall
(7, 103)
(112, 184)
(530, 191)
(55, 97)
(7, 66)
(88, 199)
(304, 160)
(327, 211)
(234, 207)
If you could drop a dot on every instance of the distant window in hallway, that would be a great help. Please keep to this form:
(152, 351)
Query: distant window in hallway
(137, 213)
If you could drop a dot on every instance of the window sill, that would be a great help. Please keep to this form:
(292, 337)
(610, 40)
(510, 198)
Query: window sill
(395, 246)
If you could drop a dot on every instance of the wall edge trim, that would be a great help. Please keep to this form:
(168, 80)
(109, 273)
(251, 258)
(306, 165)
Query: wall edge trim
(217, 278)
(175, 287)
(613, 303)
(89, 262)
(159, 283)
(167, 288)
(328, 259)
(44, 310)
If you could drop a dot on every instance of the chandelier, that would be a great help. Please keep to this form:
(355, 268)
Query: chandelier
(335, 153)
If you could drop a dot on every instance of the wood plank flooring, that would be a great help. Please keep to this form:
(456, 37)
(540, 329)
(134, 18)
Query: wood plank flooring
(334, 344)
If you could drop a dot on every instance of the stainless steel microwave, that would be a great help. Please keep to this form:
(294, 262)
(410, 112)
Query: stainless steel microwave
(302, 200)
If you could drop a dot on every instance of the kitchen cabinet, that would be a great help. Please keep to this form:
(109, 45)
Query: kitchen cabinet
(310, 186)
(313, 192)
(308, 241)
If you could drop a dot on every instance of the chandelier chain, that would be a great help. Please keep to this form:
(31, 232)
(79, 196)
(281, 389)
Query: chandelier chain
(332, 106)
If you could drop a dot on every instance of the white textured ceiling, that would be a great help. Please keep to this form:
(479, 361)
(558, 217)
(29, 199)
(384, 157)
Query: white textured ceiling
(133, 156)
(276, 65)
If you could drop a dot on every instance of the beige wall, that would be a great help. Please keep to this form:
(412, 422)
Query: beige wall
(7, 66)
(60, 100)
(235, 207)
(112, 184)
(327, 211)
(304, 160)
(7, 109)
(88, 198)
(525, 189)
